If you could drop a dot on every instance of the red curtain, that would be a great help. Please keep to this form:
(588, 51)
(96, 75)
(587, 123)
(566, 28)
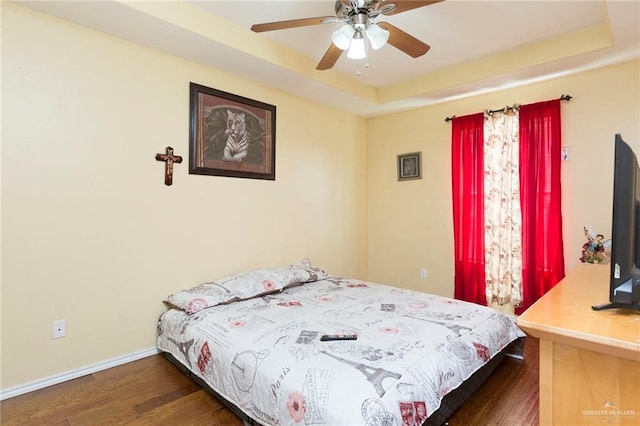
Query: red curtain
(542, 250)
(467, 166)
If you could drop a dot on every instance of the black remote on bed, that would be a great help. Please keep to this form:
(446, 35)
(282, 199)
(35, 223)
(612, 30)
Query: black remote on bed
(328, 337)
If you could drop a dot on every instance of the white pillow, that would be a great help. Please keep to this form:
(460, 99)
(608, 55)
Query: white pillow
(245, 286)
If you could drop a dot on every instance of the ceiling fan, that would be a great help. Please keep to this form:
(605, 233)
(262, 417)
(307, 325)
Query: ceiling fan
(358, 16)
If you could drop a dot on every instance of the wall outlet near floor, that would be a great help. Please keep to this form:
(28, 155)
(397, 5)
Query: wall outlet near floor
(423, 273)
(59, 329)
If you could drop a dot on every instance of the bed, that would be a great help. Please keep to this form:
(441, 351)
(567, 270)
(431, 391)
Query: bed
(253, 339)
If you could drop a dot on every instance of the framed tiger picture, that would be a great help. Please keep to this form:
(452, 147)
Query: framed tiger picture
(231, 135)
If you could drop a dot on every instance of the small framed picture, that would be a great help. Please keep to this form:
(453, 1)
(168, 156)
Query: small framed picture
(410, 166)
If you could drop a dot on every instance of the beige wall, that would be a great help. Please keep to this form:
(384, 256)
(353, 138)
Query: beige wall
(91, 234)
(410, 222)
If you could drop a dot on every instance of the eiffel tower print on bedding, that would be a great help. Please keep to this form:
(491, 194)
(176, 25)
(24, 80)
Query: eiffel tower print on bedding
(264, 355)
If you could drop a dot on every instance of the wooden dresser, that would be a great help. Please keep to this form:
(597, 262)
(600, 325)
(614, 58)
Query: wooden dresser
(589, 360)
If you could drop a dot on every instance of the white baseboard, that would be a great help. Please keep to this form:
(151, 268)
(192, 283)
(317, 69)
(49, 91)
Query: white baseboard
(74, 374)
(514, 356)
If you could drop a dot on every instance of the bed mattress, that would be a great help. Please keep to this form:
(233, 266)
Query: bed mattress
(265, 356)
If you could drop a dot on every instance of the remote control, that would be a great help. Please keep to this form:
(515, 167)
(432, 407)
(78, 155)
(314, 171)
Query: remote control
(328, 337)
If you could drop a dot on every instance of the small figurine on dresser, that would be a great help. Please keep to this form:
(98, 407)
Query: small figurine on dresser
(594, 250)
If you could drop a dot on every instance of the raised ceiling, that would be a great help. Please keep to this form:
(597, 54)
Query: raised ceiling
(476, 46)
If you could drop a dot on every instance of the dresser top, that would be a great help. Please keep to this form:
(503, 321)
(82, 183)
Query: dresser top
(564, 315)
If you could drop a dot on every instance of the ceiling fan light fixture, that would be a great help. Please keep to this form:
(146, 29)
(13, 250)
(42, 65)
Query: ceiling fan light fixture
(342, 37)
(357, 18)
(357, 49)
(378, 36)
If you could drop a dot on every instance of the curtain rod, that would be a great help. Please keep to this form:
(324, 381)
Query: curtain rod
(562, 98)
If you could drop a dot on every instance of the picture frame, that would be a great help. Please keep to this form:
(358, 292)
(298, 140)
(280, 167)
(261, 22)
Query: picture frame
(230, 135)
(410, 166)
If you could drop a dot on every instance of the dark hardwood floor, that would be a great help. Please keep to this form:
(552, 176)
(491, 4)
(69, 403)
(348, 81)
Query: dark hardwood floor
(154, 391)
(509, 397)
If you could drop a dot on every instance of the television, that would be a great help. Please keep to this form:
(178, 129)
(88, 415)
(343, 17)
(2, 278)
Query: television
(624, 283)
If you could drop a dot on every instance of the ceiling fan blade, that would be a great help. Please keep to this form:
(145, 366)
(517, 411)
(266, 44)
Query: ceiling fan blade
(405, 42)
(293, 23)
(404, 5)
(330, 58)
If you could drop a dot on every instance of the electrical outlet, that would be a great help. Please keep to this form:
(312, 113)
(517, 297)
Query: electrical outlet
(423, 273)
(59, 329)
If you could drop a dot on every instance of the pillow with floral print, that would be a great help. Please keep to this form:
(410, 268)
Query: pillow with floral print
(245, 286)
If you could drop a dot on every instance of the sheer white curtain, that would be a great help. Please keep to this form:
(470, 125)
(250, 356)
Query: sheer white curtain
(503, 218)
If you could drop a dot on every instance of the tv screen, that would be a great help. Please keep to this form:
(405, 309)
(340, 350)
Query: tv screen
(624, 286)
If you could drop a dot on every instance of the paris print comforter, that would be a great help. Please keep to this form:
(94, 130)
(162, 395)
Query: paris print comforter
(264, 353)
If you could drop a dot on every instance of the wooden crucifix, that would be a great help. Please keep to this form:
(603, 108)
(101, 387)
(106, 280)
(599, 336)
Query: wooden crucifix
(169, 159)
